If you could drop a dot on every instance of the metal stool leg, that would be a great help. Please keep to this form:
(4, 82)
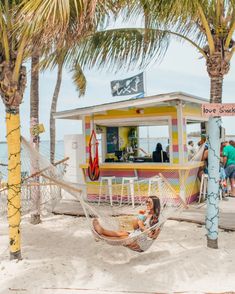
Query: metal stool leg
(205, 187)
(132, 190)
(110, 191)
(122, 191)
(201, 188)
(100, 190)
(138, 187)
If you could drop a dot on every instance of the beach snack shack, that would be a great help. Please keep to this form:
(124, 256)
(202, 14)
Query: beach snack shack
(121, 157)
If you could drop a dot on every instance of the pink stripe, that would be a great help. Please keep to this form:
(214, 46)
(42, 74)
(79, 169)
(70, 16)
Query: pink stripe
(151, 173)
(175, 148)
(87, 126)
(174, 121)
(118, 173)
(145, 174)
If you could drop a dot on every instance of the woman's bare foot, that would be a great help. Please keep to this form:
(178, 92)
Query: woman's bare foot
(97, 226)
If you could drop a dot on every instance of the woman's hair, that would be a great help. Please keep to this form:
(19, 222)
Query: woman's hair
(156, 210)
(159, 147)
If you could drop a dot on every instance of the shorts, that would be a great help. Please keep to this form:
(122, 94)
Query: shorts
(230, 171)
(222, 174)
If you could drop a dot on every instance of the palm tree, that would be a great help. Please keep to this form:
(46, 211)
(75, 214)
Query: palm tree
(64, 54)
(34, 138)
(209, 26)
(91, 14)
(79, 80)
(12, 86)
(20, 21)
(26, 24)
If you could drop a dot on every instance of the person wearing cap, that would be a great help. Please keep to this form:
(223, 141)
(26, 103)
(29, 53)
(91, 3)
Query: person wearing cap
(202, 141)
(231, 142)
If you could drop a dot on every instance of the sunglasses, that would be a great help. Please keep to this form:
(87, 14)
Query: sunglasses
(148, 202)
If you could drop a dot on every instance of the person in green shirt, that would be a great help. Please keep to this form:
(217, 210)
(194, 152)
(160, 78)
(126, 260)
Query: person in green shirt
(229, 163)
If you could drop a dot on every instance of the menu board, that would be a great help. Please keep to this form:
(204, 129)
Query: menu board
(112, 139)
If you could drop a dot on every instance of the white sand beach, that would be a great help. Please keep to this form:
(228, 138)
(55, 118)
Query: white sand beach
(60, 256)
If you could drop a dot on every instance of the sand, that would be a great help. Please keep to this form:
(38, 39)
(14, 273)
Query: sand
(60, 256)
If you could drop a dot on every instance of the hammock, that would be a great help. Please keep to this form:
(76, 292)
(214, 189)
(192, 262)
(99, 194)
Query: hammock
(93, 168)
(33, 184)
(167, 187)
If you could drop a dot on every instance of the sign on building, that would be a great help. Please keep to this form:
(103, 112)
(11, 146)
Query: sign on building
(130, 86)
(218, 109)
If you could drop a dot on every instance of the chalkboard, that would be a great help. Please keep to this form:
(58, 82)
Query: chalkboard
(112, 139)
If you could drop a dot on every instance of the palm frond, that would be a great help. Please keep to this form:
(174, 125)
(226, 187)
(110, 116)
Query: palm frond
(78, 16)
(121, 48)
(79, 79)
(50, 18)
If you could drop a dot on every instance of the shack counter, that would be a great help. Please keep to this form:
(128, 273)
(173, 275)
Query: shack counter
(182, 178)
(118, 124)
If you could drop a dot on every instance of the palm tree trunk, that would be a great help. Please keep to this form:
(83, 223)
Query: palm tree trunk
(212, 216)
(34, 137)
(53, 109)
(12, 92)
(14, 183)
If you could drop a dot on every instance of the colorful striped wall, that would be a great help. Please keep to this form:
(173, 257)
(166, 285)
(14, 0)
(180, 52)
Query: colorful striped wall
(175, 140)
(179, 180)
(87, 135)
(184, 125)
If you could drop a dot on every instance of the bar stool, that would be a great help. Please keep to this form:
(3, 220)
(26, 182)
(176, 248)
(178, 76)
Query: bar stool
(109, 181)
(130, 181)
(203, 187)
(153, 180)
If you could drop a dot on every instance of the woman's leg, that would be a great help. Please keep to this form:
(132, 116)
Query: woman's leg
(232, 182)
(102, 231)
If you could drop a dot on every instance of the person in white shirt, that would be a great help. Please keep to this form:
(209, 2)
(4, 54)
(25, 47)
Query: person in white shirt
(191, 150)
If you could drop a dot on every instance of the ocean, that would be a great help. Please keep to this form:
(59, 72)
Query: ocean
(44, 150)
(147, 144)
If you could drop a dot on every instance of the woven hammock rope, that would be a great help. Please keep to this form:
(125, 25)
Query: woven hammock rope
(172, 189)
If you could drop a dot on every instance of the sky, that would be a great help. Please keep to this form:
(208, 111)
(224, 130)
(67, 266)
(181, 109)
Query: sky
(180, 70)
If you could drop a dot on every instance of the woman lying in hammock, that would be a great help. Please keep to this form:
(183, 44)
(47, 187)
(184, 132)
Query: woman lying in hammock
(142, 223)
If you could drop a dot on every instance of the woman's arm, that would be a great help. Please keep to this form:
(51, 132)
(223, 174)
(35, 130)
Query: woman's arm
(205, 155)
(141, 225)
(154, 233)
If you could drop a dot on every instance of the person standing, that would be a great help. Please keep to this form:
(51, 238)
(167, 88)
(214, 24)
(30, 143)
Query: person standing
(159, 155)
(191, 150)
(229, 164)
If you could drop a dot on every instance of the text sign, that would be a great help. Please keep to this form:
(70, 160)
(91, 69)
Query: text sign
(217, 109)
